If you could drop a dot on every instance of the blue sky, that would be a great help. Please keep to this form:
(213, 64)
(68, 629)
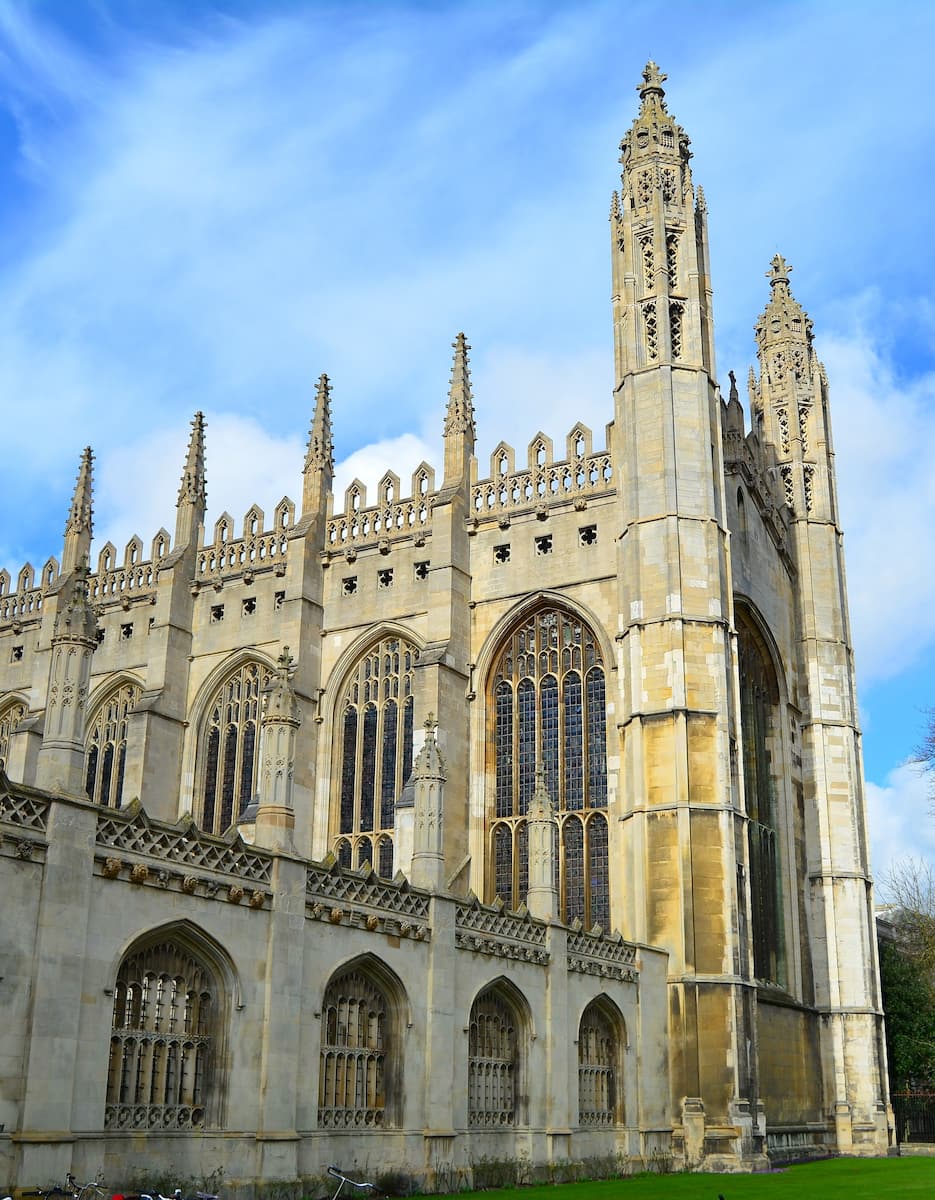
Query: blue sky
(204, 205)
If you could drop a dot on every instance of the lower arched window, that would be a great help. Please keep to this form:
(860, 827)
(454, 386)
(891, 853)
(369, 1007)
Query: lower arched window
(229, 748)
(597, 1069)
(493, 1062)
(163, 1041)
(107, 746)
(10, 717)
(354, 1066)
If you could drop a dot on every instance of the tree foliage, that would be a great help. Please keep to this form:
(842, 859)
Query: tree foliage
(907, 975)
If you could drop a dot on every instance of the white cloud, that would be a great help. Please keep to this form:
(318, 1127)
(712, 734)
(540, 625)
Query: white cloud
(901, 823)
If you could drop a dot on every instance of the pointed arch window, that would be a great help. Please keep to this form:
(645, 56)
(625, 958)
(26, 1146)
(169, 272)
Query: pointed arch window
(106, 758)
(161, 1073)
(548, 702)
(356, 1053)
(598, 1055)
(10, 717)
(493, 1062)
(229, 748)
(375, 739)
(759, 716)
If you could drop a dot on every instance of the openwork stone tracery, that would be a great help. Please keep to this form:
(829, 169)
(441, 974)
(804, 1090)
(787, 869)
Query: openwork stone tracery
(548, 698)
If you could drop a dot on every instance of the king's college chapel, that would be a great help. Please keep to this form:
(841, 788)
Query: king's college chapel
(513, 813)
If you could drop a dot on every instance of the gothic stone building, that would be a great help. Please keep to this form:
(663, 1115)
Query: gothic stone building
(514, 812)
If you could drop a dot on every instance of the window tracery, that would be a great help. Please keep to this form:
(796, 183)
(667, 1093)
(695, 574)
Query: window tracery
(354, 1047)
(597, 1069)
(760, 727)
(164, 1033)
(107, 746)
(10, 717)
(493, 1054)
(229, 748)
(549, 704)
(375, 741)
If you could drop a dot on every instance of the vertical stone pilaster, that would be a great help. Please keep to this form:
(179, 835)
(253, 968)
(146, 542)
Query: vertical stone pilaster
(275, 818)
(542, 896)
(61, 765)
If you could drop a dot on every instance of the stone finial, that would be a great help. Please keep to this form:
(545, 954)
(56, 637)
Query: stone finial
(281, 700)
(320, 453)
(701, 204)
(192, 489)
(429, 763)
(733, 387)
(652, 82)
(79, 523)
(459, 417)
(541, 808)
(615, 206)
(778, 270)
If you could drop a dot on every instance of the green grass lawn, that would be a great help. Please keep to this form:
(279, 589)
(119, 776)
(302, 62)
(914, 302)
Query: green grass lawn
(837, 1179)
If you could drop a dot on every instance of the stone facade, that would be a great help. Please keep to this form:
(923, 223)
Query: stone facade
(267, 910)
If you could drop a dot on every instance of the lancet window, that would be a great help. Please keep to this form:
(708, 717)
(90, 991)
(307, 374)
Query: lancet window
(163, 1041)
(597, 1069)
(548, 701)
(493, 1062)
(375, 750)
(759, 706)
(352, 1091)
(10, 717)
(230, 747)
(107, 746)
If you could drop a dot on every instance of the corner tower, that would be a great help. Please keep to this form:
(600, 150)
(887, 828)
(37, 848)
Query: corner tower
(681, 836)
(790, 408)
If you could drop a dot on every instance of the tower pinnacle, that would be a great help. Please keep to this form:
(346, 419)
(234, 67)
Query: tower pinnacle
(459, 417)
(320, 453)
(78, 526)
(651, 86)
(192, 490)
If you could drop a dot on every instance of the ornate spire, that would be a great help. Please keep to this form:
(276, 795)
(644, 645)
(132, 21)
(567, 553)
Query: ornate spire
(192, 489)
(76, 620)
(320, 453)
(650, 90)
(281, 702)
(78, 525)
(784, 319)
(459, 417)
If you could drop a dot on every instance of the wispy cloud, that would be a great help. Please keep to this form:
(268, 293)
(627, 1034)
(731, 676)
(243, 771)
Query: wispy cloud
(207, 208)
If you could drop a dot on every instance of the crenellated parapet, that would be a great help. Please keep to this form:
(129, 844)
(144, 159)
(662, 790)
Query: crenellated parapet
(393, 517)
(544, 481)
(256, 550)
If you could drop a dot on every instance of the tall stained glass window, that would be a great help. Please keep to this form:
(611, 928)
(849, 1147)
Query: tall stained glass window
(375, 739)
(107, 746)
(230, 747)
(759, 715)
(548, 705)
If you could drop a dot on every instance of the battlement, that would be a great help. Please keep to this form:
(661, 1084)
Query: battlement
(392, 517)
(544, 481)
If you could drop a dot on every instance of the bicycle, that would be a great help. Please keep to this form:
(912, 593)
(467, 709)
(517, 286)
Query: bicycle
(92, 1190)
(336, 1174)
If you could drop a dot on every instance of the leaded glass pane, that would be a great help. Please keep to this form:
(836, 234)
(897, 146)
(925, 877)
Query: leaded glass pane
(597, 740)
(368, 760)
(526, 743)
(503, 743)
(107, 742)
(348, 771)
(388, 767)
(548, 701)
(503, 864)
(573, 744)
(573, 837)
(598, 872)
(385, 868)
